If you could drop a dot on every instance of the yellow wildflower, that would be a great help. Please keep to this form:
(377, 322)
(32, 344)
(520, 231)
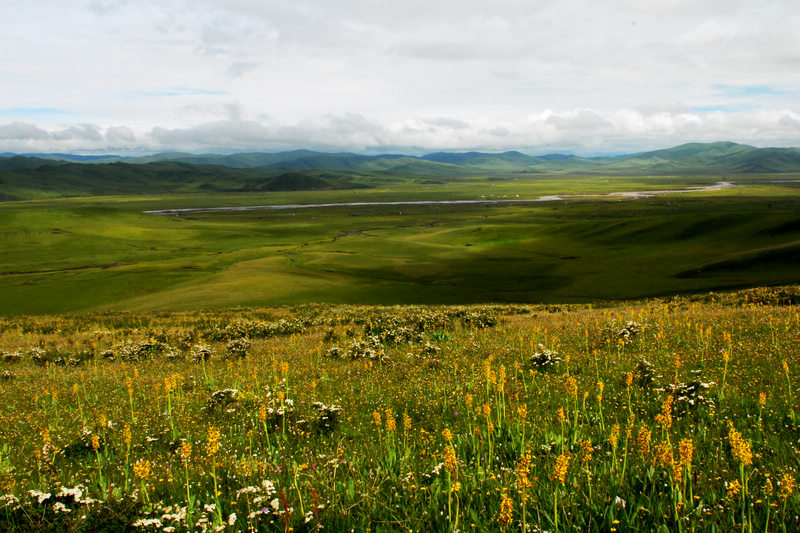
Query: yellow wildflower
(141, 469)
(734, 489)
(406, 422)
(571, 386)
(663, 454)
(560, 468)
(506, 510)
(643, 441)
(767, 488)
(214, 437)
(740, 448)
(787, 484)
(665, 417)
(586, 451)
(686, 452)
(523, 471)
(613, 439)
(450, 461)
(186, 451)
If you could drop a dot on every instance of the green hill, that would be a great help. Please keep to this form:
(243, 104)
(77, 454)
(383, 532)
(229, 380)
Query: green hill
(698, 158)
(58, 175)
(27, 178)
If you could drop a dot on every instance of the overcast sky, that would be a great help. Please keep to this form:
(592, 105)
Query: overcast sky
(413, 76)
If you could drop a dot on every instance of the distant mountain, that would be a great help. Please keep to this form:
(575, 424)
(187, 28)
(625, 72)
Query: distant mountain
(47, 174)
(67, 157)
(26, 178)
(699, 158)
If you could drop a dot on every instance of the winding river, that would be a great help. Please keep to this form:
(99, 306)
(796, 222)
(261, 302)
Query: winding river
(484, 201)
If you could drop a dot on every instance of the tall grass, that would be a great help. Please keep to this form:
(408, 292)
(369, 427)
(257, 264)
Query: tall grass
(489, 418)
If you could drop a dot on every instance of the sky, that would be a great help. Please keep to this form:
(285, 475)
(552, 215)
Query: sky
(372, 76)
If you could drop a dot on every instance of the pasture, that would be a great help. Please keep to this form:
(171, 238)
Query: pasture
(677, 414)
(80, 254)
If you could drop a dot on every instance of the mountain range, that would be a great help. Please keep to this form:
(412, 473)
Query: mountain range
(702, 158)
(33, 175)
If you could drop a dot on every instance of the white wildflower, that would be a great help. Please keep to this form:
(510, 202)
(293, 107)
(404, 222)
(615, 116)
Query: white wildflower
(76, 493)
(148, 522)
(269, 488)
(619, 503)
(246, 490)
(9, 500)
(39, 496)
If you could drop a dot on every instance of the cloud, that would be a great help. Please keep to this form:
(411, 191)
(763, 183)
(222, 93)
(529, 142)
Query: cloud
(120, 136)
(439, 51)
(402, 64)
(240, 68)
(106, 7)
(580, 131)
(80, 132)
(20, 131)
(580, 119)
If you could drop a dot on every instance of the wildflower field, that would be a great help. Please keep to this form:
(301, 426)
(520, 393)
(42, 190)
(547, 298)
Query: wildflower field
(658, 415)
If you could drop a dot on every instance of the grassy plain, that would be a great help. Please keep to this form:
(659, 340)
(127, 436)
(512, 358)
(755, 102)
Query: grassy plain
(79, 254)
(678, 414)
(150, 403)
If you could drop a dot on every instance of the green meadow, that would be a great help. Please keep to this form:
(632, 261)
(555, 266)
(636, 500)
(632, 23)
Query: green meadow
(103, 252)
(598, 362)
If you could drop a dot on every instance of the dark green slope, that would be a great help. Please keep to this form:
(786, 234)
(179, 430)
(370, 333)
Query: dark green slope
(27, 178)
(701, 158)
(32, 177)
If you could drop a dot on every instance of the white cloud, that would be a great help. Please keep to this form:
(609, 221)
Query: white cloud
(20, 131)
(536, 74)
(581, 131)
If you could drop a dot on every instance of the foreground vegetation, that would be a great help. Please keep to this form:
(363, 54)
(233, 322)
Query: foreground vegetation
(660, 415)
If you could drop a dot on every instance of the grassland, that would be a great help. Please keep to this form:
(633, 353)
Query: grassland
(80, 254)
(520, 384)
(677, 414)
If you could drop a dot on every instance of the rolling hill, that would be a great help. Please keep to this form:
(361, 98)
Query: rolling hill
(702, 158)
(24, 177)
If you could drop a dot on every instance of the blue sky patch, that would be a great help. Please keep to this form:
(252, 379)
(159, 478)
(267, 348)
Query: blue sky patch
(725, 108)
(37, 111)
(176, 91)
(745, 91)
